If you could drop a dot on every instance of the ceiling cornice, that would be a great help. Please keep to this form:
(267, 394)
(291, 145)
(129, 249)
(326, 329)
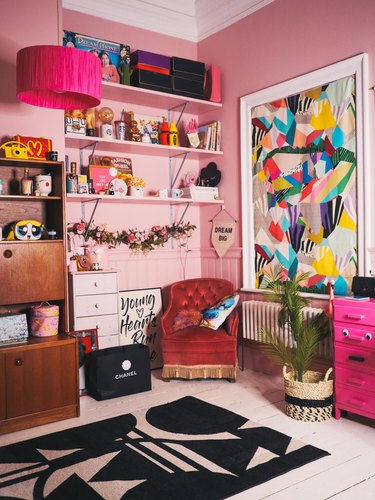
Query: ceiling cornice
(191, 20)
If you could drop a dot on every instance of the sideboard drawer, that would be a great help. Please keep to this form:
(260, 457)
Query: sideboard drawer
(106, 325)
(93, 284)
(350, 335)
(355, 400)
(355, 357)
(108, 341)
(350, 311)
(355, 379)
(96, 305)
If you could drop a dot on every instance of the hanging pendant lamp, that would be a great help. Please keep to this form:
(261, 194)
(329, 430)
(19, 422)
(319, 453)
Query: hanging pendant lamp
(52, 76)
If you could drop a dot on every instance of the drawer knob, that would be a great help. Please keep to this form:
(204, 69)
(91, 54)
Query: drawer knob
(345, 332)
(368, 336)
(18, 362)
(96, 284)
(8, 254)
(96, 306)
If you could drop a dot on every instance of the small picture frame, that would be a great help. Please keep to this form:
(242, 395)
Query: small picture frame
(83, 188)
(89, 338)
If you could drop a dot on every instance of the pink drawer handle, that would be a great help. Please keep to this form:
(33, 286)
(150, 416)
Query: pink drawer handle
(355, 316)
(357, 402)
(355, 381)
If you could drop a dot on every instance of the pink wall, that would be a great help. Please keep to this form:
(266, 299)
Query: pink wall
(23, 26)
(285, 39)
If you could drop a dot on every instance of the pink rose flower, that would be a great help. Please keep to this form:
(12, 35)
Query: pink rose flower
(80, 228)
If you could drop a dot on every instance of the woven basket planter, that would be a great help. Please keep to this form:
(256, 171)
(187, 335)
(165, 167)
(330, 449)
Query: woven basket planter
(310, 400)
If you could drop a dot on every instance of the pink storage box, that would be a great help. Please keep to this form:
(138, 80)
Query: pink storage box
(44, 320)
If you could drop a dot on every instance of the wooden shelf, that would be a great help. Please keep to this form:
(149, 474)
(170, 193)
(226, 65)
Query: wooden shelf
(82, 198)
(20, 197)
(155, 99)
(104, 144)
(29, 163)
(27, 242)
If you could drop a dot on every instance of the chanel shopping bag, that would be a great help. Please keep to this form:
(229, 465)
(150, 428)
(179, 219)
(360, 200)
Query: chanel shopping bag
(118, 371)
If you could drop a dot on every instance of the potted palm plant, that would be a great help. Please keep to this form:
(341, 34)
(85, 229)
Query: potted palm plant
(308, 394)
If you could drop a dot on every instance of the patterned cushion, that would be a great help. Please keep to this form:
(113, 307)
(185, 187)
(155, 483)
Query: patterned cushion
(186, 318)
(214, 316)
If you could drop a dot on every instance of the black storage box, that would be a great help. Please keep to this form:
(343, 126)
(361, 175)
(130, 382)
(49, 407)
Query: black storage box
(188, 88)
(363, 286)
(151, 80)
(118, 371)
(186, 68)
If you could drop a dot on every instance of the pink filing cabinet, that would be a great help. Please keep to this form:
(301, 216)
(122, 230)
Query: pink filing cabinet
(354, 356)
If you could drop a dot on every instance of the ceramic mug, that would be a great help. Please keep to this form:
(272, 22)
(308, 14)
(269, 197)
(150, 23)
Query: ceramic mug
(43, 184)
(176, 193)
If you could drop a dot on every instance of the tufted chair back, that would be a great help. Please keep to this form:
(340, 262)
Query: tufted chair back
(196, 294)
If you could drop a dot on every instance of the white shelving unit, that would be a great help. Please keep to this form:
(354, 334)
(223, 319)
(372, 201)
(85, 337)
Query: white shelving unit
(153, 99)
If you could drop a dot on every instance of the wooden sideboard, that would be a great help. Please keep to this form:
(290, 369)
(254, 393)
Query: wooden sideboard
(38, 382)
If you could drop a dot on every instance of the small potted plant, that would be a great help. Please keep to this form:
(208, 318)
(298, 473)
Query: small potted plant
(136, 185)
(308, 394)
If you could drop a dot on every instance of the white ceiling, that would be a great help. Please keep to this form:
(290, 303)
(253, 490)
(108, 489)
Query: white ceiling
(191, 20)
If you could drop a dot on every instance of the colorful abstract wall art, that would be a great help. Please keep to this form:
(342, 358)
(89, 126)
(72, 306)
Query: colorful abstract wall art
(304, 189)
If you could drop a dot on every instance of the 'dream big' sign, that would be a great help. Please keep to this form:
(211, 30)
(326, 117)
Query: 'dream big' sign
(139, 320)
(222, 236)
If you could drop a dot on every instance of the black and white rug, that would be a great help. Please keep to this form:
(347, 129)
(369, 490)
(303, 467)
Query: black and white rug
(184, 450)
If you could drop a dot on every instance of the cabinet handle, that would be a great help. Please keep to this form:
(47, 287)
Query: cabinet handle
(360, 359)
(357, 402)
(96, 306)
(96, 284)
(355, 381)
(8, 254)
(355, 316)
(18, 362)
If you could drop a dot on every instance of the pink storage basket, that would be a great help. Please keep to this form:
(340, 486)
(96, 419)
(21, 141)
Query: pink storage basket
(44, 320)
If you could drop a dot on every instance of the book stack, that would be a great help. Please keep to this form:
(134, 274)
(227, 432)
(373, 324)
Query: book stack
(201, 193)
(210, 136)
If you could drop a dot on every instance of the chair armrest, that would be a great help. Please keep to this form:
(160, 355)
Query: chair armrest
(167, 321)
(231, 323)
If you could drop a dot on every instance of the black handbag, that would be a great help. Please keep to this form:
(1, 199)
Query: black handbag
(118, 371)
(363, 286)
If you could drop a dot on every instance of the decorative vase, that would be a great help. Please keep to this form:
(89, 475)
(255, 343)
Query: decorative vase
(98, 254)
(310, 400)
(136, 191)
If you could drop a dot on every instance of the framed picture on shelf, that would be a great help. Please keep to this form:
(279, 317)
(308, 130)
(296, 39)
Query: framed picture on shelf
(89, 338)
(114, 57)
(101, 176)
(123, 165)
(148, 126)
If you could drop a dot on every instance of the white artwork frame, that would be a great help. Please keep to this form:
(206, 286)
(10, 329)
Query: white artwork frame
(357, 66)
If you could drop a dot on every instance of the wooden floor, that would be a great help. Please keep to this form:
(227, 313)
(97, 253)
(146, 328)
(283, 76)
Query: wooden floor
(349, 473)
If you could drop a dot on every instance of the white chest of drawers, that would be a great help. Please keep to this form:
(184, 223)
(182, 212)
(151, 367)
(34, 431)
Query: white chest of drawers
(93, 303)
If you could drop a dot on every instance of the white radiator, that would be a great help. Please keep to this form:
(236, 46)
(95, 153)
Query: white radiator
(261, 314)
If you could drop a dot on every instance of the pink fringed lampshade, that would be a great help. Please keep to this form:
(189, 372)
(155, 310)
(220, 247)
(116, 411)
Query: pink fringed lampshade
(52, 76)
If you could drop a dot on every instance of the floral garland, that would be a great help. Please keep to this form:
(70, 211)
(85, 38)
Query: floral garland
(137, 240)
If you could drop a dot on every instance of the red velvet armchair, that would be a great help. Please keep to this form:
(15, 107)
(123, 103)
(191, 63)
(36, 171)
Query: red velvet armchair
(195, 351)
